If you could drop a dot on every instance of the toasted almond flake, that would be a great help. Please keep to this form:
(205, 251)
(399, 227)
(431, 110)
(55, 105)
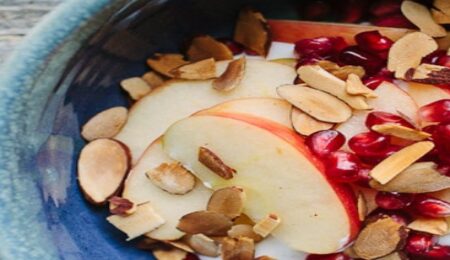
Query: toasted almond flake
(264, 257)
(135, 87)
(328, 65)
(243, 219)
(408, 51)
(318, 104)
(214, 163)
(252, 31)
(146, 243)
(443, 5)
(266, 225)
(440, 17)
(102, 166)
(232, 76)
(180, 245)
(205, 47)
(242, 249)
(165, 63)
(203, 245)
(362, 208)
(369, 198)
(394, 256)
(341, 72)
(244, 230)
(429, 74)
(228, 201)
(421, 177)
(291, 62)
(379, 238)
(420, 16)
(318, 78)
(199, 70)
(105, 124)
(435, 226)
(305, 124)
(350, 252)
(144, 220)
(401, 132)
(121, 206)
(153, 79)
(205, 222)
(354, 86)
(172, 254)
(390, 167)
(173, 178)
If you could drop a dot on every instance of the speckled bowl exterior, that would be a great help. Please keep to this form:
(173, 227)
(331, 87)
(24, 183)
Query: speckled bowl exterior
(66, 70)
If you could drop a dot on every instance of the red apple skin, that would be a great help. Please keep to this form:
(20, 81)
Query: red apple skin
(343, 191)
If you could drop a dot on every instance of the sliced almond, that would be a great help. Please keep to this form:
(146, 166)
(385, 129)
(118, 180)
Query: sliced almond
(421, 177)
(214, 163)
(244, 230)
(165, 63)
(443, 5)
(105, 124)
(232, 76)
(429, 74)
(180, 245)
(350, 252)
(266, 225)
(135, 87)
(102, 166)
(390, 167)
(362, 208)
(354, 86)
(199, 70)
(121, 206)
(171, 254)
(401, 132)
(318, 78)
(242, 249)
(264, 257)
(153, 79)
(203, 245)
(420, 16)
(341, 72)
(173, 178)
(252, 31)
(408, 51)
(440, 17)
(205, 222)
(144, 220)
(205, 47)
(318, 104)
(394, 256)
(379, 239)
(435, 226)
(228, 201)
(243, 219)
(291, 62)
(305, 124)
(368, 196)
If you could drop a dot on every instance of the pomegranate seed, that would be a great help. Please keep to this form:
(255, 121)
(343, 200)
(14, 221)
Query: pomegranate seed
(343, 166)
(434, 57)
(387, 200)
(191, 256)
(364, 143)
(336, 256)
(364, 177)
(374, 81)
(351, 11)
(441, 137)
(436, 252)
(393, 20)
(418, 243)
(308, 60)
(321, 46)
(444, 61)
(235, 48)
(398, 216)
(315, 10)
(385, 7)
(444, 169)
(430, 207)
(438, 111)
(353, 55)
(324, 142)
(251, 52)
(378, 118)
(373, 158)
(374, 42)
(385, 72)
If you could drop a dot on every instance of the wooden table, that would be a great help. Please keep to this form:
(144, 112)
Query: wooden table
(17, 17)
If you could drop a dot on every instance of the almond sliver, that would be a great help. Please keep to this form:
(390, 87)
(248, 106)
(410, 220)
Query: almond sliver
(362, 208)
(266, 225)
(440, 17)
(390, 167)
(435, 226)
(401, 132)
(355, 86)
(420, 16)
(305, 124)
(199, 70)
(136, 87)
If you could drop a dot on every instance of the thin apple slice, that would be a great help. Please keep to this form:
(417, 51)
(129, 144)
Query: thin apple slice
(138, 188)
(317, 215)
(154, 113)
(420, 16)
(424, 94)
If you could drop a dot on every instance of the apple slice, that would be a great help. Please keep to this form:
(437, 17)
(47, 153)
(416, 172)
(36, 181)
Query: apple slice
(171, 207)
(424, 94)
(278, 174)
(154, 113)
(390, 99)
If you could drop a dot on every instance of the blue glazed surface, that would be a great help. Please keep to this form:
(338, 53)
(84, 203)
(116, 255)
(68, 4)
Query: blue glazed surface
(67, 70)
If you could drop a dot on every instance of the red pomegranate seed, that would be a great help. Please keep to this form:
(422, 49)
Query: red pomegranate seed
(444, 169)
(191, 256)
(444, 61)
(321, 46)
(365, 143)
(308, 60)
(364, 177)
(336, 256)
(434, 57)
(374, 42)
(388, 200)
(430, 207)
(441, 138)
(323, 143)
(374, 81)
(393, 20)
(438, 111)
(343, 166)
(373, 158)
(378, 118)
(351, 11)
(436, 252)
(385, 7)
(353, 55)
(399, 216)
(251, 52)
(315, 10)
(418, 243)
(235, 48)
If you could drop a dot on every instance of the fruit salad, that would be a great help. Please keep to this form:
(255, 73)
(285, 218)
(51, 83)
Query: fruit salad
(290, 140)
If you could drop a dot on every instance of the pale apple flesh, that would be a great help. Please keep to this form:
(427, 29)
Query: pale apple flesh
(278, 176)
(154, 113)
(424, 94)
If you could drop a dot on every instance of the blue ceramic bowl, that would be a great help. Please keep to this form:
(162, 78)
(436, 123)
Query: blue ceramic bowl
(67, 70)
